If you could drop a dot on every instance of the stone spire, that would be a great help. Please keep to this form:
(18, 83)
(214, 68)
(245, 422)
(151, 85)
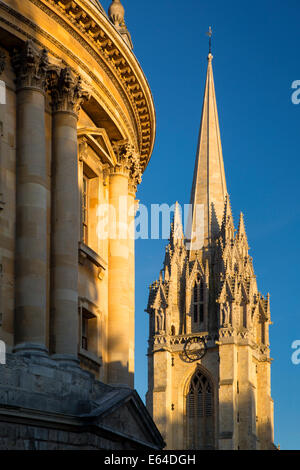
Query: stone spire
(209, 184)
(209, 295)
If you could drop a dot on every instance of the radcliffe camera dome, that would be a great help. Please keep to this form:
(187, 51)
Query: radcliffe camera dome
(116, 12)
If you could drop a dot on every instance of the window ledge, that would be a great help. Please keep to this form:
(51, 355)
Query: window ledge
(90, 357)
(86, 252)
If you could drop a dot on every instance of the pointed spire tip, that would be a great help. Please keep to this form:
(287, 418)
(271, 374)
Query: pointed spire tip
(209, 182)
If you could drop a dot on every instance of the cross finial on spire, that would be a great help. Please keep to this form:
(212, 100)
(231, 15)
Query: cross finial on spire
(209, 34)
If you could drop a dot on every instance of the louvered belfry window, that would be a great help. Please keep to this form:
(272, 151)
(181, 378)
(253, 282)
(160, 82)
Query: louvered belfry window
(198, 300)
(200, 413)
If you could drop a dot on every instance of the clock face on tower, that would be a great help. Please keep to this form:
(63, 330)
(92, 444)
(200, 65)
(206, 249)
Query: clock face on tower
(194, 349)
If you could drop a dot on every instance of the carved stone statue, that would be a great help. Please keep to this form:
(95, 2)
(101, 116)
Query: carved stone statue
(160, 321)
(225, 315)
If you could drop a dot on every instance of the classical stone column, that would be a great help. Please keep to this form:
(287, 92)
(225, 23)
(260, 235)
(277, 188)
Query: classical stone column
(2, 111)
(120, 273)
(30, 65)
(134, 180)
(67, 96)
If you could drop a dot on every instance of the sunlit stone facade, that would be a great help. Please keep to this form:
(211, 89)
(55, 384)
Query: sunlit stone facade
(77, 131)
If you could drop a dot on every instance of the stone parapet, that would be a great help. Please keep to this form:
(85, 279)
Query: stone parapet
(45, 406)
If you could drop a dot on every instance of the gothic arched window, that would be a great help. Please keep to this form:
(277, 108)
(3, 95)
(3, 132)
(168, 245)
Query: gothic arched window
(198, 300)
(200, 413)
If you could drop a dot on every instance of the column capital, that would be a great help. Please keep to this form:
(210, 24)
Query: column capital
(2, 62)
(135, 175)
(30, 65)
(128, 163)
(66, 90)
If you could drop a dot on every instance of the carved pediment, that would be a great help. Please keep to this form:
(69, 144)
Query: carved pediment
(121, 411)
(98, 140)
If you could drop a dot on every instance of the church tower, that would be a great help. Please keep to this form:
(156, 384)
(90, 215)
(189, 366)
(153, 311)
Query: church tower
(209, 384)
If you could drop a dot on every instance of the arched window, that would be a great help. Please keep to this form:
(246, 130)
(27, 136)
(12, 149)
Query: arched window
(200, 413)
(173, 331)
(198, 301)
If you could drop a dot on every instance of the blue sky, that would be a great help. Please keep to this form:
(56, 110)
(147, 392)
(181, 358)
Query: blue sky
(256, 59)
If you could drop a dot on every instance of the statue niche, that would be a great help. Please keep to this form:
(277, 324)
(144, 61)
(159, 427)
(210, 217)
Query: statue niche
(160, 321)
(225, 315)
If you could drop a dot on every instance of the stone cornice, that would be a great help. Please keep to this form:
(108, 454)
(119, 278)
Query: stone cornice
(117, 61)
(97, 29)
(31, 31)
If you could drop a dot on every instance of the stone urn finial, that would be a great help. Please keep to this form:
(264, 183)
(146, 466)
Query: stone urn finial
(116, 13)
